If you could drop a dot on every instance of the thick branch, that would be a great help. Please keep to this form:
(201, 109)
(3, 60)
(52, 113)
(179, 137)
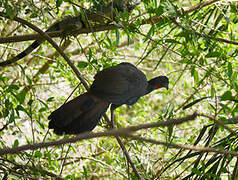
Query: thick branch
(55, 33)
(125, 132)
(90, 135)
(154, 19)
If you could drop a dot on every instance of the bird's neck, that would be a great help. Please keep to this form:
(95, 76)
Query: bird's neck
(150, 86)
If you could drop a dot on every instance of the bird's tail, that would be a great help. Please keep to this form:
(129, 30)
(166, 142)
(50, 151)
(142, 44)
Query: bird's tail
(78, 115)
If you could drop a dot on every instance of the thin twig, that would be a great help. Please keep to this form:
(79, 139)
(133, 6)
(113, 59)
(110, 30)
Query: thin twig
(205, 35)
(64, 160)
(125, 152)
(218, 122)
(200, 5)
(5, 126)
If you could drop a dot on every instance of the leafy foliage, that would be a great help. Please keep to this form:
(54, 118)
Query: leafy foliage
(195, 46)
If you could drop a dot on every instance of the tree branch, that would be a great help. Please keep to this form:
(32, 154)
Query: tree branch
(218, 122)
(180, 146)
(125, 132)
(78, 74)
(99, 28)
(90, 135)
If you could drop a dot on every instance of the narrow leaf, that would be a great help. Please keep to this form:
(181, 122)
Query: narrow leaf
(151, 31)
(229, 69)
(16, 143)
(226, 96)
(21, 97)
(82, 64)
(194, 102)
(213, 54)
(117, 37)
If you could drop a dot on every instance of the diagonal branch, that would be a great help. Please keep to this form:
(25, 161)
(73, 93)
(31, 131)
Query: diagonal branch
(53, 43)
(78, 74)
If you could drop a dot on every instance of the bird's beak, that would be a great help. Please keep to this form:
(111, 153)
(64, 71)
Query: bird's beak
(167, 86)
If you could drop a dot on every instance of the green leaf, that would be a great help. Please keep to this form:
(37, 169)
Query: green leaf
(195, 76)
(42, 109)
(20, 108)
(40, 124)
(90, 55)
(12, 117)
(21, 97)
(38, 154)
(196, 171)
(85, 172)
(185, 61)
(212, 92)
(170, 130)
(9, 10)
(224, 107)
(82, 64)
(194, 102)
(194, 73)
(58, 3)
(12, 87)
(213, 54)
(233, 8)
(29, 80)
(226, 96)
(224, 120)
(50, 99)
(30, 102)
(185, 34)
(151, 32)
(117, 37)
(16, 143)
(172, 41)
(224, 170)
(76, 12)
(229, 71)
(7, 103)
(159, 11)
(5, 112)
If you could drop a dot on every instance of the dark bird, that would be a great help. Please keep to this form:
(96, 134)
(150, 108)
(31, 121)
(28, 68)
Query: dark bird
(117, 85)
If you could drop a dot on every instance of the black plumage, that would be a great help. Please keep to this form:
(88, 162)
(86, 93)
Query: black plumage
(117, 85)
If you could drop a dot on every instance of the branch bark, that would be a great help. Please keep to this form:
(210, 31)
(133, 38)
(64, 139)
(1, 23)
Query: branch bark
(99, 28)
(125, 132)
(90, 135)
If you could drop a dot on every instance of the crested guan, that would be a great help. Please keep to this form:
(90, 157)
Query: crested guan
(117, 85)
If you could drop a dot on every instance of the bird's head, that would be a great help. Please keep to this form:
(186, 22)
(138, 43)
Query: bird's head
(159, 82)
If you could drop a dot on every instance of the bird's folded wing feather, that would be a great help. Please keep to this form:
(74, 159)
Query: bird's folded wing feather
(123, 80)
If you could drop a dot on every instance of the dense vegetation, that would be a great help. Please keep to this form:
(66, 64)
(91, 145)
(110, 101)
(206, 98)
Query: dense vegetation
(192, 42)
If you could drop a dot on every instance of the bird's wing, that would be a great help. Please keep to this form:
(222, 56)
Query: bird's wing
(123, 81)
